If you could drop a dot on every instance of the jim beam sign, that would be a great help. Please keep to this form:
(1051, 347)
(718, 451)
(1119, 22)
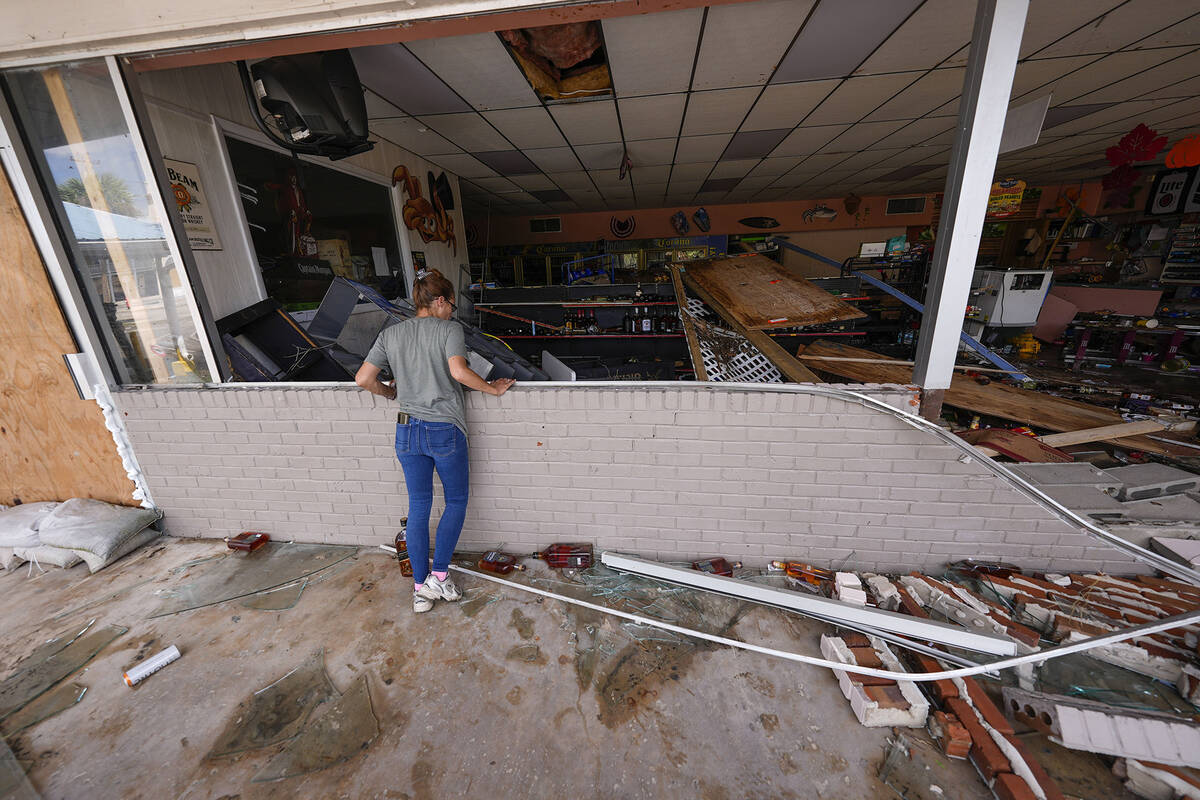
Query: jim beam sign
(192, 204)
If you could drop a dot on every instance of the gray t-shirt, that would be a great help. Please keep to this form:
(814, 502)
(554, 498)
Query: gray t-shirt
(417, 352)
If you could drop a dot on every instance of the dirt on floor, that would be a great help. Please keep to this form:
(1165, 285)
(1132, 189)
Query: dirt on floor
(504, 694)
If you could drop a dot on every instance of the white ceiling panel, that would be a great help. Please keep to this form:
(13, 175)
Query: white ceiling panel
(588, 122)
(744, 41)
(861, 136)
(783, 105)
(1123, 26)
(757, 181)
(691, 171)
(1050, 20)
(1185, 32)
(932, 90)
(869, 158)
(479, 68)
(918, 131)
(1034, 74)
(601, 156)
(571, 181)
(1107, 70)
(526, 128)
(773, 167)
(710, 197)
(608, 179)
(701, 148)
(806, 140)
(378, 108)
(406, 132)
(1113, 114)
(797, 177)
(1177, 69)
(463, 165)
(498, 185)
(554, 159)
(469, 131)
(653, 152)
(934, 32)
(655, 174)
(652, 53)
(857, 97)
(823, 162)
(719, 111)
(733, 169)
(1188, 88)
(655, 117)
(533, 183)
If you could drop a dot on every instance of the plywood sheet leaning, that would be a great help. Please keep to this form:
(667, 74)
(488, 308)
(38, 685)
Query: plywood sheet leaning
(760, 294)
(995, 399)
(53, 445)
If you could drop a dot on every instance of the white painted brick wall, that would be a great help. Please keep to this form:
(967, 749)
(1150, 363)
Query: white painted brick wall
(670, 473)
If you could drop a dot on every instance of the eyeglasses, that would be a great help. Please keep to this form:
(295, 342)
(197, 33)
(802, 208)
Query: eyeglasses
(453, 305)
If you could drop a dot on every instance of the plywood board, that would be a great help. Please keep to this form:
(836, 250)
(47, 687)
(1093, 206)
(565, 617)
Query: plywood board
(995, 399)
(53, 445)
(761, 294)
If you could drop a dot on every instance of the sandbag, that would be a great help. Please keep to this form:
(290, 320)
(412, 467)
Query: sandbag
(19, 525)
(46, 556)
(96, 531)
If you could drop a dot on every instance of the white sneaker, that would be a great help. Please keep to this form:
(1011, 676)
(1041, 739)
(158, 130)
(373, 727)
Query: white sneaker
(421, 604)
(433, 589)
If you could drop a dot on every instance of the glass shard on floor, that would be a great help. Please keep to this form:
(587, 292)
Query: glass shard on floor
(13, 783)
(279, 599)
(238, 575)
(33, 679)
(55, 701)
(277, 712)
(347, 727)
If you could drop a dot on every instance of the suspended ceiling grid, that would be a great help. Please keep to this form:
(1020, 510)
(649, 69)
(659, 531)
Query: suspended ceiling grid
(781, 99)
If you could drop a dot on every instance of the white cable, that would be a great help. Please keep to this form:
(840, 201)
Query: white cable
(916, 677)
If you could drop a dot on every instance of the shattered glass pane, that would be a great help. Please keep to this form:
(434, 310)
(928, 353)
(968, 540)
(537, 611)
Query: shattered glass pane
(13, 783)
(277, 712)
(1090, 679)
(56, 700)
(33, 679)
(279, 599)
(347, 727)
(236, 575)
(99, 601)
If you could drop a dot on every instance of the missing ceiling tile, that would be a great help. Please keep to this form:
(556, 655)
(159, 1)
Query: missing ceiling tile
(561, 62)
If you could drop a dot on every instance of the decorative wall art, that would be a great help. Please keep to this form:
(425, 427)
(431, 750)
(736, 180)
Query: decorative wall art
(1140, 144)
(431, 220)
(622, 228)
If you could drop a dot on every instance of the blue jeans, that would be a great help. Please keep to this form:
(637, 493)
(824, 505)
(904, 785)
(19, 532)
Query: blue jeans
(421, 447)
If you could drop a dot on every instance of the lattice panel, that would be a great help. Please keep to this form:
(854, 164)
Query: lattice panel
(727, 355)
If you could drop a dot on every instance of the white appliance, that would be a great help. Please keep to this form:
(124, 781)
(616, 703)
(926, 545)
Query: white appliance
(1008, 298)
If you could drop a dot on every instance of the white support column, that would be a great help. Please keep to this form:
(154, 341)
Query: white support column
(995, 46)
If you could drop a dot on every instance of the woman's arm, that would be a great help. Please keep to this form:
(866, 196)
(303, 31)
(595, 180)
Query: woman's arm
(471, 379)
(367, 378)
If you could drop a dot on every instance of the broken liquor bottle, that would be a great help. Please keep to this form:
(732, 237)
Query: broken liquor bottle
(499, 563)
(574, 556)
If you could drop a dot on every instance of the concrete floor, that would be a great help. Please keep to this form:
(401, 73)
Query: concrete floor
(482, 699)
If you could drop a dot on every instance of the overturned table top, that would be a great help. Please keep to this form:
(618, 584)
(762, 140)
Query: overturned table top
(761, 294)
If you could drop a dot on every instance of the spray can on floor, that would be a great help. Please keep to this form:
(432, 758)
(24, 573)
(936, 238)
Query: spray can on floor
(150, 666)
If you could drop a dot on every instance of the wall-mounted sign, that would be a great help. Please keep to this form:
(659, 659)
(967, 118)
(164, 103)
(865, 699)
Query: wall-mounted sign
(192, 204)
(1005, 198)
(1166, 197)
(1191, 200)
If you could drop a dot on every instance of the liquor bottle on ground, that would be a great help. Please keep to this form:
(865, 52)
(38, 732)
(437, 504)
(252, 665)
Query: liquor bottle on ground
(574, 556)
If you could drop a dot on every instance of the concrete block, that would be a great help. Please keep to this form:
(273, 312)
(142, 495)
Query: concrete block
(1185, 551)
(1067, 475)
(1141, 481)
(1086, 501)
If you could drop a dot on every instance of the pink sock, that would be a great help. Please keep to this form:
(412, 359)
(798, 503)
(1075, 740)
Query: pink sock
(441, 576)
(417, 587)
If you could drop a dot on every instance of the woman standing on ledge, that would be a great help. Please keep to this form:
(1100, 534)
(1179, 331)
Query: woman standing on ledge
(428, 357)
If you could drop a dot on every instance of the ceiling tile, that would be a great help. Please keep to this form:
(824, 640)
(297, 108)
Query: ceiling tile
(588, 122)
(1032, 75)
(855, 98)
(734, 168)
(822, 162)
(1048, 21)
(1177, 69)
(655, 117)
(754, 144)
(550, 195)
(718, 185)
(601, 156)
(498, 185)
(526, 127)
(691, 171)
(806, 140)
(652, 53)
(378, 108)
(774, 167)
(1112, 114)
(463, 165)
(932, 90)
(839, 36)
(652, 152)
(911, 171)
(469, 131)
(572, 180)
(1122, 26)
(479, 68)
(743, 42)
(719, 111)
(935, 31)
(536, 181)
(554, 159)
(1061, 114)
(1185, 32)
(783, 105)
(1188, 88)
(1104, 71)
(399, 77)
(656, 174)
(918, 131)
(701, 148)
(406, 132)
(862, 136)
(757, 181)
(870, 158)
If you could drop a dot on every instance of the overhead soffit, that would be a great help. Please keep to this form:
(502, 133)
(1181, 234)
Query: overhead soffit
(782, 95)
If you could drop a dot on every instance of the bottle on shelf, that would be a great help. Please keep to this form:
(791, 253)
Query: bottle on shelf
(628, 326)
(573, 556)
(647, 321)
(499, 563)
(593, 326)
